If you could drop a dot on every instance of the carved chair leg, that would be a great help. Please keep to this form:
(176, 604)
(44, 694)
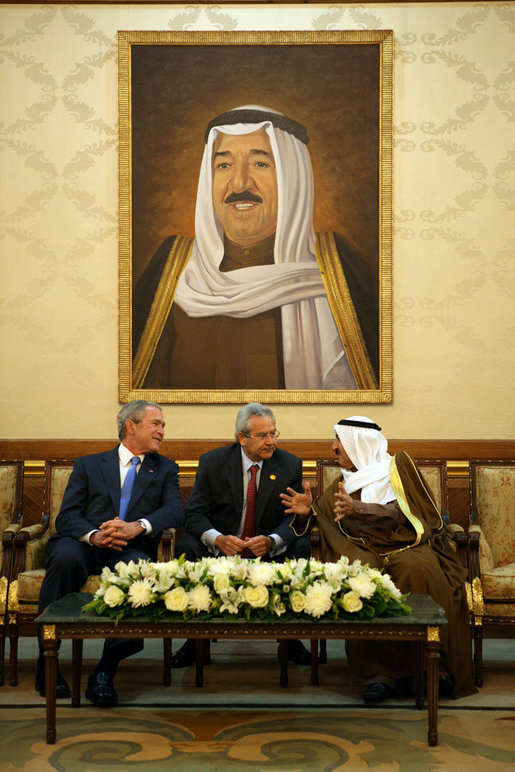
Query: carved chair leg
(2, 653)
(478, 652)
(13, 653)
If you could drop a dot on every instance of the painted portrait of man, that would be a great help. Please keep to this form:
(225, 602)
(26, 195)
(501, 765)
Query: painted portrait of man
(255, 296)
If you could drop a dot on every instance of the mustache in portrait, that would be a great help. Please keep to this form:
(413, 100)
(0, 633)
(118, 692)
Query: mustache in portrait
(244, 196)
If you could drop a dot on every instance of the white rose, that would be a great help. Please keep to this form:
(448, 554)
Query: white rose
(141, 593)
(176, 599)
(257, 597)
(318, 599)
(221, 583)
(199, 598)
(113, 596)
(351, 602)
(297, 601)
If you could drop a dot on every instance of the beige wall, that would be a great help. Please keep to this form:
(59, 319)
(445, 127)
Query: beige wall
(454, 185)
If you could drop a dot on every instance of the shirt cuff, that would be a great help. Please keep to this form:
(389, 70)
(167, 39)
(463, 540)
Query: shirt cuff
(148, 532)
(280, 545)
(86, 536)
(208, 540)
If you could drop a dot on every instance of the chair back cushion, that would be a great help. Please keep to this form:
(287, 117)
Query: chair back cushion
(11, 485)
(57, 476)
(493, 507)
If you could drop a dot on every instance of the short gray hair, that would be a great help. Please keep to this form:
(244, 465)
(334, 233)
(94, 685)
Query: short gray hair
(247, 412)
(133, 411)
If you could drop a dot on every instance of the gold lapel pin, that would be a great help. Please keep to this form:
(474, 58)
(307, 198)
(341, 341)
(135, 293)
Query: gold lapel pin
(272, 476)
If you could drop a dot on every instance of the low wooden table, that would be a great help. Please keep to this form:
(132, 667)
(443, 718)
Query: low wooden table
(63, 619)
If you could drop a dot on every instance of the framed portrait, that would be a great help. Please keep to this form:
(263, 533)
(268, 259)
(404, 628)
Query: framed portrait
(255, 247)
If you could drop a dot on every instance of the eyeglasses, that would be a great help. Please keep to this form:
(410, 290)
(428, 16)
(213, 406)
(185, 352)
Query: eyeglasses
(263, 435)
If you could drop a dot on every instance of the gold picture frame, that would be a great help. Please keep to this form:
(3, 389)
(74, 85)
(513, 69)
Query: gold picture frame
(336, 83)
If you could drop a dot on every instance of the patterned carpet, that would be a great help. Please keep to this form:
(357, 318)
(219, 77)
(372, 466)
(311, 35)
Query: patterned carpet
(225, 740)
(242, 720)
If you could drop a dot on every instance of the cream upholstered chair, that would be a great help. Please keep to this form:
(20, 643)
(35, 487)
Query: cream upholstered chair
(29, 562)
(11, 495)
(492, 551)
(434, 472)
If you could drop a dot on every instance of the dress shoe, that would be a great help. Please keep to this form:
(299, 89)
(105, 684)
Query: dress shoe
(62, 691)
(298, 653)
(185, 656)
(101, 691)
(445, 685)
(378, 692)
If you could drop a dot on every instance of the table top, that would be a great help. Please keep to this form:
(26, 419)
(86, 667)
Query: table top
(68, 610)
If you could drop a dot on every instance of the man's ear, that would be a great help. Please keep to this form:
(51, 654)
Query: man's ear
(241, 439)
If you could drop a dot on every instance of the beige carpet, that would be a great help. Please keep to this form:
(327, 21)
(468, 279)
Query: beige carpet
(242, 720)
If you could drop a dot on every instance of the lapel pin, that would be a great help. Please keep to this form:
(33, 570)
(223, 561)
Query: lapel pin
(151, 471)
(272, 476)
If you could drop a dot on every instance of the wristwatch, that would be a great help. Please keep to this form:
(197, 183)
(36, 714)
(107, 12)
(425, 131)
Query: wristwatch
(143, 526)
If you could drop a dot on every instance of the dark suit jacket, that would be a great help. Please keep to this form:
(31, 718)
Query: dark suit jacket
(92, 496)
(216, 500)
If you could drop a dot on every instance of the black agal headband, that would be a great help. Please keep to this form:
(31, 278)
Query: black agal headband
(361, 424)
(246, 115)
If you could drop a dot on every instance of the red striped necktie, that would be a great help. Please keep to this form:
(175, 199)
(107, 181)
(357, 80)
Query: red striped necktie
(249, 524)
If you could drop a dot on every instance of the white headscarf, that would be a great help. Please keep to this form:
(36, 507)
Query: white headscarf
(368, 451)
(313, 353)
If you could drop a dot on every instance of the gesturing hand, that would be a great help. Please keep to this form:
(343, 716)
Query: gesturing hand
(343, 503)
(297, 503)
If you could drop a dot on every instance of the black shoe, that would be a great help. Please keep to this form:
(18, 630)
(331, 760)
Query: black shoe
(101, 691)
(185, 656)
(445, 685)
(298, 653)
(378, 692)
(62, 691)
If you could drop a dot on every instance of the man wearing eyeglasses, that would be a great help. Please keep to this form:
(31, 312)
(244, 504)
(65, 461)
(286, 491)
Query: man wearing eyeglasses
(235, 506)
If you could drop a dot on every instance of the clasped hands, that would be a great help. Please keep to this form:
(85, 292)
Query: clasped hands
(114, 534)
(232, 545)
(300, 503)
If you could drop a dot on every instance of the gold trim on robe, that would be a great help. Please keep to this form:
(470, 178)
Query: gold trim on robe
(346, 319)
(160, 309)
(338, 296)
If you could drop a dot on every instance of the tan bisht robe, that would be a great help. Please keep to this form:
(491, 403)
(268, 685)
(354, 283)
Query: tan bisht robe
(407, 538)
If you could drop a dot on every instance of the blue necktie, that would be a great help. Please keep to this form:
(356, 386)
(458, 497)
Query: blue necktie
(128, 483)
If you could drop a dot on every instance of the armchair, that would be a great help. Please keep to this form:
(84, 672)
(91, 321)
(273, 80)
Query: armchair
(29, 567)
(491, 551)
(11, 494)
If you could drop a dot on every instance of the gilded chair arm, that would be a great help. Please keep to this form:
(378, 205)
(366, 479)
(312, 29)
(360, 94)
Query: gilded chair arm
(474, 536)
(8, 549)
(29, 547)
(458, 537)
(166, 547)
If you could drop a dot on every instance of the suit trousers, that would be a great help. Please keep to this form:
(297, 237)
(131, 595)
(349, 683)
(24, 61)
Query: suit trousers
(194, 549)
(69, 563)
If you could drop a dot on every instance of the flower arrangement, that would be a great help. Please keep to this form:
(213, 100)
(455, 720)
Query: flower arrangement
(232, 587)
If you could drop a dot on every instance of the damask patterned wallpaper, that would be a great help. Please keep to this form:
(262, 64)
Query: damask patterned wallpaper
(454, 201)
